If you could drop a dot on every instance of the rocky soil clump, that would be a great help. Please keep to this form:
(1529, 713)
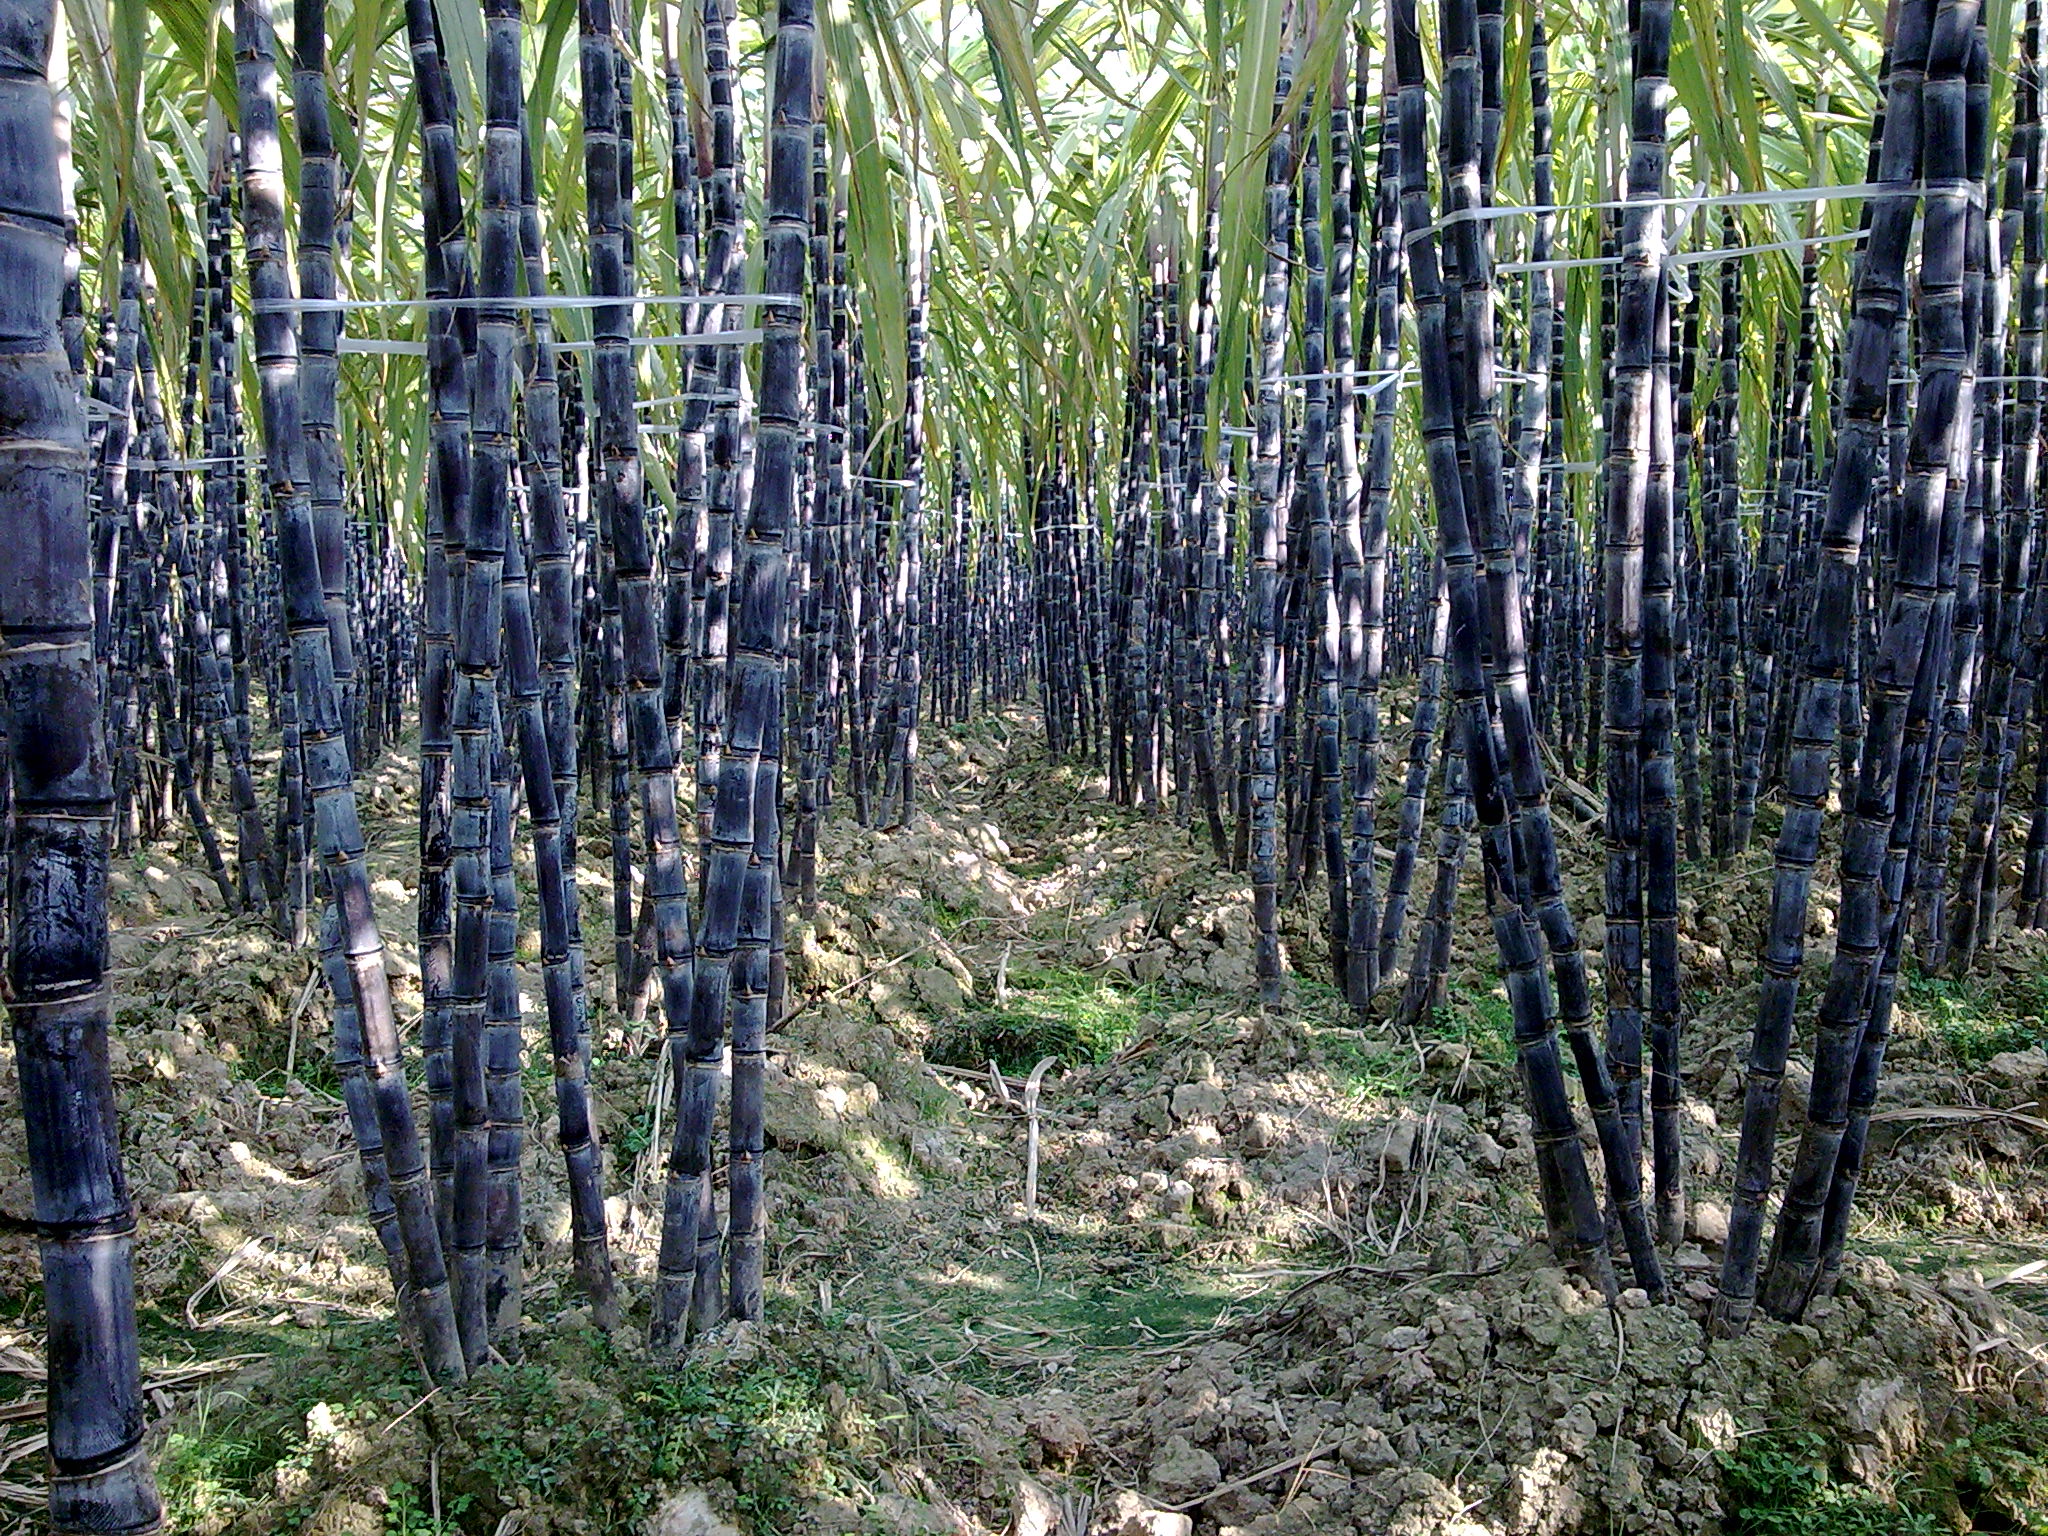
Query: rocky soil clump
(1276, 1273)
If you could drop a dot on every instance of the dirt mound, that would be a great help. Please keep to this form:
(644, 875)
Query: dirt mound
(1380, 1398)
(1280, 1272)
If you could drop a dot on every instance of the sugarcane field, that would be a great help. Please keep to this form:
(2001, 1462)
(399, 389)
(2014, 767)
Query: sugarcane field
(1024, 768)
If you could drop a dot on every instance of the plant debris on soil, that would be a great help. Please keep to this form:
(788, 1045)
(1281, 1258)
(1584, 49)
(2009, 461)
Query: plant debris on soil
(1282, 1272)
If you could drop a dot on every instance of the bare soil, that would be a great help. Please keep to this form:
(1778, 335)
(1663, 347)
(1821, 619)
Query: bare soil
(1283, 1272)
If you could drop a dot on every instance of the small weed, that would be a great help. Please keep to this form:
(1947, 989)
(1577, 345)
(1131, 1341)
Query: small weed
(637, 1134)
(1925, 1216)
(1970, 1021)
(206, 1471)
(1083, 1292)
(1781, 1484)
(261, 1060)
(986, 727)
(537, 1070)
(935, 1104)
(1369, 1068)
(1048, 860)
(770, 1428)
(616, 1434)
(1122, 885)
(592, 1437)
(1997, 1475)
(1065, 1013)
(1313, 993)
(1994, 1478)
(224, 1459)
(1484, 1021)
(949, 917)
(408, 1515)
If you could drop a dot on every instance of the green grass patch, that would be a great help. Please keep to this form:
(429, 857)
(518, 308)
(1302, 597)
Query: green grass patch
(637, 1134)
(260, 1058)
(1121, 885)
(949, 917)
(1996, 1476)
(1782, 1483)
(984, 727)
(1081, 1297)
(412, 1514)
(1372, 1065)
(935, 1102)
(581, 1429)
(224, 1455)
(606, 1443)
(1097, 1313)
(1367, 1066)
(1969, 1020)
(1484, 1021)
(1060, 1012)
(212, 1467)
(1993, 1478)
(1048, 860)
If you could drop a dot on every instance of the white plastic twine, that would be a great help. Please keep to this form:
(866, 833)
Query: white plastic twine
(380, 344)
(1354, 373)
(700, 339)
(1766, 197)
(542, 301)
(233, 458)
(712, 397)
(1383, 379)
(384, 346)
(1691, 204)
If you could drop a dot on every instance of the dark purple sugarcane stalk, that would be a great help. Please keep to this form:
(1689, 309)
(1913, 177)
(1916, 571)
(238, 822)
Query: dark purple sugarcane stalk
(1908, 669)
(818, 637)
(1263, 657)
(329, 778)
(553, 599)
(226, 589)
(1205, 556)
(1361, 534)
(485, 1042)
(1879, 300)
(749, 788)
(679, 550)
(216, 703)
(1659, 789)
(1324, 621)
(153, 575)
(1978, 541)
(448, 465)
(899, 788)
(712, 582)
(1725, 544)
(1426, 987)
(1168, 705)
(1415, 786)
(1765, 699)
(1534, 835)
(319, 192)
(632, 634)
(59, 784)
(1687, 575)
(113, 628)
(1570, 1202)
(2013, 661)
